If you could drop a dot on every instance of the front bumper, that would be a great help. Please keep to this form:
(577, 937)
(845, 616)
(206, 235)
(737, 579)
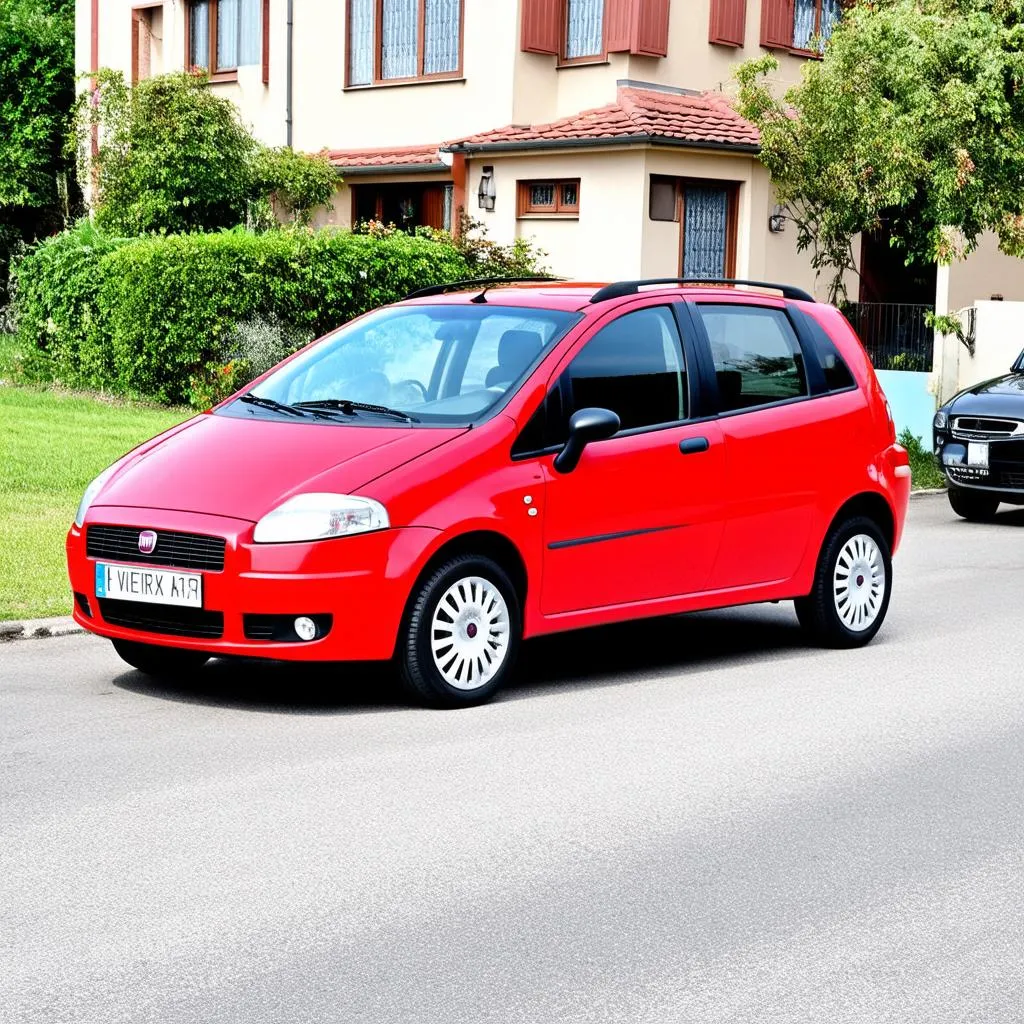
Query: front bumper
(1003, 476)
(361, 583)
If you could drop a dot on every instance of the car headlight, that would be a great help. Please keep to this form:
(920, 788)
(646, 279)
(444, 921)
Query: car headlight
(320, 517)
(940, 421)
(90, 494)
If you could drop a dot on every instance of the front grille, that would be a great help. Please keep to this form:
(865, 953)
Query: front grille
(165, 619)
(986, 428)
(176, 550)
(1012, 479)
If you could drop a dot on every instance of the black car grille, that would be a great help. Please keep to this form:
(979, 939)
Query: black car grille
(985, 428)
(177, 550)
(1012, 479)
(165, 619)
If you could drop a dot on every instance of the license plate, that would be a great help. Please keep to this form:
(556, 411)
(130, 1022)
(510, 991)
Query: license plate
(150, 586)
(977, 454)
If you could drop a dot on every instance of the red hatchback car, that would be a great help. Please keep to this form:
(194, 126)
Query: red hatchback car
(442, 478)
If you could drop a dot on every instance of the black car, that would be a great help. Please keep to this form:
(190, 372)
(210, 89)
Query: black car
(979, 441)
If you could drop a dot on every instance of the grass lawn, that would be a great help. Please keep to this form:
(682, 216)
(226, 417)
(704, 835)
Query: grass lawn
(51, 446)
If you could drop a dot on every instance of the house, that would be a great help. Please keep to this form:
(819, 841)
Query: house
(601, 128)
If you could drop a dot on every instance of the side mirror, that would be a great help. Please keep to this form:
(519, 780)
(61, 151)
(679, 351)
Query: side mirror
(586, 425)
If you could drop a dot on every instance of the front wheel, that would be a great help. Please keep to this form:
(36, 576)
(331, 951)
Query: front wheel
(461, 635)
(974, 506)
(163, 662)
(852, 584)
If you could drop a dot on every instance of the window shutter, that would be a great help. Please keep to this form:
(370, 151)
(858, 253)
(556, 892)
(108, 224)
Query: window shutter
(265, 42)
(652, 28)
(777, 23)
(637, 26)
(728, 22)
(542, 26)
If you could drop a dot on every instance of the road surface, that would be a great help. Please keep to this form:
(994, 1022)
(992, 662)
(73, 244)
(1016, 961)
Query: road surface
(697, 819)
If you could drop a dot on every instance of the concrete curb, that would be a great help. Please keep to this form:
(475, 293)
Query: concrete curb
(36, 629)
(927, 490)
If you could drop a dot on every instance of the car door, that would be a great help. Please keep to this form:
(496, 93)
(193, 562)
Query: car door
(639, 518)
(774, 444)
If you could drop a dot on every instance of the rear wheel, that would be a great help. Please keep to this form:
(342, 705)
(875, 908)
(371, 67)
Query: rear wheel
(975, 506)
(852, 584)
(462, 634)
(159, 661)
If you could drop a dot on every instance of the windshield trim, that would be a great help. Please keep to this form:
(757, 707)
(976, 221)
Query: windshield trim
(230, 406)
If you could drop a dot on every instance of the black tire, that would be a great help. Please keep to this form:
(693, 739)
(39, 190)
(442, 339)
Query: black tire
(417, 668)
(162, 662)
(818, 612)
(974, 506)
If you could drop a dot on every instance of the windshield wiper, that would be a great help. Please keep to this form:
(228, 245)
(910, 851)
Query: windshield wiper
(268, 403)
(350, 408)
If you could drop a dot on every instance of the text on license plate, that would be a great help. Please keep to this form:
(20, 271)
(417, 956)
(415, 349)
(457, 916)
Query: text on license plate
(151, 586)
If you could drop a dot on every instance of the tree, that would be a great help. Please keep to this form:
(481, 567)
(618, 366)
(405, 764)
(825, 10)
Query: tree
(172, 156)
(36, 95)
(912, 119)
(298, 183)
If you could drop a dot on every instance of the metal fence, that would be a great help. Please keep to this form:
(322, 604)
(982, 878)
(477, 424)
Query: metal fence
(894, 333)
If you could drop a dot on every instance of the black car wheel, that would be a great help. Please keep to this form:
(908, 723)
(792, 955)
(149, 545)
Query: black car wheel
(974, 506)
(159, 661)
(461, 634)
(852, 583)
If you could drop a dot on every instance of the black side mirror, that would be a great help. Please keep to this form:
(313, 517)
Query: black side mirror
(586, 425)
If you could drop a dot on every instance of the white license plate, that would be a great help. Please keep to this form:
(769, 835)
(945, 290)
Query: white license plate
(150, 586)
(977, 454)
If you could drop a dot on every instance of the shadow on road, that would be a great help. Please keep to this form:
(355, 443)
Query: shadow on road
(604, 656)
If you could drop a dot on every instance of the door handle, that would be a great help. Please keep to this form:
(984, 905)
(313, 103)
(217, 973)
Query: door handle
(694, 445)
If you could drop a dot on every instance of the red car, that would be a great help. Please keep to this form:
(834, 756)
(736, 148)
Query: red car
(442, 478)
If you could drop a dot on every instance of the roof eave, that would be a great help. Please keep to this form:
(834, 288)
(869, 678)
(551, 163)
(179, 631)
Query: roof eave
(522, 145)
(365, 169)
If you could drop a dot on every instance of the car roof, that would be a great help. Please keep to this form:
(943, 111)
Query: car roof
(575, 296)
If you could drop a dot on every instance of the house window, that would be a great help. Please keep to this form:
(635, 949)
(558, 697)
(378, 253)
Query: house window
(147, 42)
(584, 29)
(224, 35)
(541, 197)
(706, 213)
(402, 40)
(814, 20)
(407, 206)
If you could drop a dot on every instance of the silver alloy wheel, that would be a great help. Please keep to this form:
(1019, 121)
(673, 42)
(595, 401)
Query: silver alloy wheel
(858, 582)
(469, 633)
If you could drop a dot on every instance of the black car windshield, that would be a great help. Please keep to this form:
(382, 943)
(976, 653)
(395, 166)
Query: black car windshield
(433, 365)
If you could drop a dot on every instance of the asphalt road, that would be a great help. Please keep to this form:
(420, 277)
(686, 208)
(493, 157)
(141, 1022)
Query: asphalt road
(696, 819)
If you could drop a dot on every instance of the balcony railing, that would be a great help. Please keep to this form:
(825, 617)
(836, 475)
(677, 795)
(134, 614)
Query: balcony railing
(894, 333)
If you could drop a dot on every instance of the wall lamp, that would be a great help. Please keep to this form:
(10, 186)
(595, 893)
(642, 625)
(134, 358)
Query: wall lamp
(488, 193)
(777, 220)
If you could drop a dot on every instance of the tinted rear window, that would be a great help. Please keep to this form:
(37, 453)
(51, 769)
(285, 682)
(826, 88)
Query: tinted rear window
(837, 373)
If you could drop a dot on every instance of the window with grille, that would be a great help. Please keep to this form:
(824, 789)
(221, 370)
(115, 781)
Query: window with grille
(400, 40)
(539, 197)
(224, 35)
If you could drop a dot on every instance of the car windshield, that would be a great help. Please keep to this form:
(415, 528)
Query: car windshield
(441, 365)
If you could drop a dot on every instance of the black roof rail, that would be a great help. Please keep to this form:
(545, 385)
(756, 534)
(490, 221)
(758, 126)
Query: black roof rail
(476, 282)
(620, 288)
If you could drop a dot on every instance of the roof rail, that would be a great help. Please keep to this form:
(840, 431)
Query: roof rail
(476, 282)
(620, 288)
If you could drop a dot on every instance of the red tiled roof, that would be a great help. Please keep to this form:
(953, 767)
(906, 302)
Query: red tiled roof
(638, 114)
(387, 159)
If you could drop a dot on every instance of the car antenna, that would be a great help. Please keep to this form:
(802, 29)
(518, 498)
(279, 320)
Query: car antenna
(482, 297)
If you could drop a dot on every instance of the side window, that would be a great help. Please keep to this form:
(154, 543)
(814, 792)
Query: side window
(757, 355)
(633, 366)
(837, 373)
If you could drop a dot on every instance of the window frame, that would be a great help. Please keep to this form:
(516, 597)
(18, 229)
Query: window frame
(803, 51)
(567, 211)
(225, 74)
(565, 61)
(378, 53)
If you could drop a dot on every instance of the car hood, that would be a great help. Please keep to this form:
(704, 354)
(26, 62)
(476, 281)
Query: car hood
(242, 467)
(1002, 396)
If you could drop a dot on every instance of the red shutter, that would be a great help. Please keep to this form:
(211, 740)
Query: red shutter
(637, 26)
(728, 22)
(651, 38)
(266, 42)
(777, 23)
(542, 26)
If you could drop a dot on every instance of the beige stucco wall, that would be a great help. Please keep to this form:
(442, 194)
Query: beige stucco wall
(986, 272)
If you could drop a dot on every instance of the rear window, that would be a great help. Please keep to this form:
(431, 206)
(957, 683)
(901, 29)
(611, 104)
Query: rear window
(756, 353)
(837, 373)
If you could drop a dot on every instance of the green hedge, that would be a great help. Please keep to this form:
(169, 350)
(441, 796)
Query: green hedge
(152, 315)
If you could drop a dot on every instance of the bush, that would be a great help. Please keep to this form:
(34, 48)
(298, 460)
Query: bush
(924, 467)
(159, 315)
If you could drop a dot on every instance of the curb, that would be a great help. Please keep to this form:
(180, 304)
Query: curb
(926, 491)
(36, 629)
